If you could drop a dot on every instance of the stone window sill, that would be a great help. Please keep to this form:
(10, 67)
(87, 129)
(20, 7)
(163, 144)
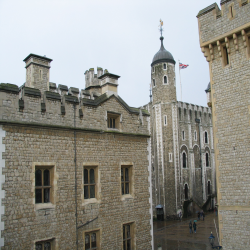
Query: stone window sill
(127, 197)
(90, 201)
(42, 206)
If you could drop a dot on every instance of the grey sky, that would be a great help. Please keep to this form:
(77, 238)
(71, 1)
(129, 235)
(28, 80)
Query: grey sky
(118, 35)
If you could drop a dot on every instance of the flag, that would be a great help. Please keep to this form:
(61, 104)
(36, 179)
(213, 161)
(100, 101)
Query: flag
(183, 66)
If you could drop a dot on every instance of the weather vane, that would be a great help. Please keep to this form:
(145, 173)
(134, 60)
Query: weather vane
(161, 24)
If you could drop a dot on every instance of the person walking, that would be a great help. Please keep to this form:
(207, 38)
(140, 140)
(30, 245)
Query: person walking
(199, 214)
(194, 227)
(190, 227)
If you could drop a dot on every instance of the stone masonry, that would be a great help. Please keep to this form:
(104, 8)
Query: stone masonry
(44, 126)
(225, 42)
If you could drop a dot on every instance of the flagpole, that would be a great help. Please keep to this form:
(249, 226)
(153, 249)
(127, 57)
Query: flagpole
(180, 79)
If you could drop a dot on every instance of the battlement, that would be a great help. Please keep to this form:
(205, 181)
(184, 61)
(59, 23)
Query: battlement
(216, 25)
(42, 103)
(189, 112)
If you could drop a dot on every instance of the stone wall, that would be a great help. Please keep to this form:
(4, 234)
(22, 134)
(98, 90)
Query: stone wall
(227, 35)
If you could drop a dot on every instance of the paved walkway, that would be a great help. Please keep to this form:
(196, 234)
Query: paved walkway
(174, 235)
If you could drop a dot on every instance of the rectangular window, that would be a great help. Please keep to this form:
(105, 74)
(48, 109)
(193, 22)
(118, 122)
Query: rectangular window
(153, 82)
(128, 236)
(183, 135)
(195, 135)
(43, 184)
(125, 180)
(90, 180)
(165, 120)
(170, 157)
(113, 120)
(45, 245)
(92, 240)
(225, 56)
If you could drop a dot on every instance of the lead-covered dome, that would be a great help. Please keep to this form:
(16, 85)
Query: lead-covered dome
(162, 55)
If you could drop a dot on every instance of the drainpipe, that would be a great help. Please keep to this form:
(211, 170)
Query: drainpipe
(198, 121)
(75, 173)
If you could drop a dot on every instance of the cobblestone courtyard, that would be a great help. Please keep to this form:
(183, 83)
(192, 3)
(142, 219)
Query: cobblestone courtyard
(175, 235)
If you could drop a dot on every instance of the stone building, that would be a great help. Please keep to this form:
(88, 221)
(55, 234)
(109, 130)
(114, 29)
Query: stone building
(75, 170)
(225, 42)
(182, 153)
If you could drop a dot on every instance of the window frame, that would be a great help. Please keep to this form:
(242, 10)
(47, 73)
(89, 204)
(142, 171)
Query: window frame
(130, 182)
(98, 238)
(153, 82)
(115, 117)
(132, 235)
(43, 186)
(53, 182)
(182, 158)
(164, 80)
(51, 240)
(164, 66)
(95, 166)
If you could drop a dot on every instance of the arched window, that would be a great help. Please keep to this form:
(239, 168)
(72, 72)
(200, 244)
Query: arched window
(206, 138)
(164, 66)
(165, 80)
(186, 192)
(208, 188)
(184, 160)
(207, 160)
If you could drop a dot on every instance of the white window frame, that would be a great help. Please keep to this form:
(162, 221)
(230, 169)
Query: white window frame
(167, 80)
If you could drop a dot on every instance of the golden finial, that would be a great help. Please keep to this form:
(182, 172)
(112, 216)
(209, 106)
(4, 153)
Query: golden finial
(161, 24)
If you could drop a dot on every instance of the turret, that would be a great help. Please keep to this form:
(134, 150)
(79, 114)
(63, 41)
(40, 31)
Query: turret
(163, 76)
(37, 72)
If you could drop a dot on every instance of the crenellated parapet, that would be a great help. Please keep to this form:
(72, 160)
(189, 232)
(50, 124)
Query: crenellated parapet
(42, 102)
(223, 30)
(189, 112)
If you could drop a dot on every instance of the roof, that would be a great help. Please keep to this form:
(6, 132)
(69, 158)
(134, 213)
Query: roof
(97, 101)
(108, 74)
(41, 57)
(162, 55)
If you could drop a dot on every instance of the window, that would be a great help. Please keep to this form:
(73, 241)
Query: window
(208, 188)
(113, 120)
(225, 56)
(91, 240)
(183, 135)
(164, 66)
(165, 80)
(125, 180)
(184, 160)
(165, 120)
(154, 82)
(186, 192)
(231, 11)
(45, 245)
(195, 135)
(153, 69)
(190, 114)
(205, 137)
(170, 157)
(40, 74)
(90, 182)
(127, 237)
(42, 185)
(207, 160)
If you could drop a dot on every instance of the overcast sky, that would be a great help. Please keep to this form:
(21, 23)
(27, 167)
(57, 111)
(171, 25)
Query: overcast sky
(119, 35)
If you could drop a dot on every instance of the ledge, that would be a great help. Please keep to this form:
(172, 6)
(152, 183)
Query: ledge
(71, 98)
(63, 87)
(33, 124)
(32, 92)
(8, 87)
(44, 206)
(52, 95)
(207, 9)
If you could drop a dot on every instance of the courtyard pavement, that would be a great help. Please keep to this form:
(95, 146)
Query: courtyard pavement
(175, 235)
